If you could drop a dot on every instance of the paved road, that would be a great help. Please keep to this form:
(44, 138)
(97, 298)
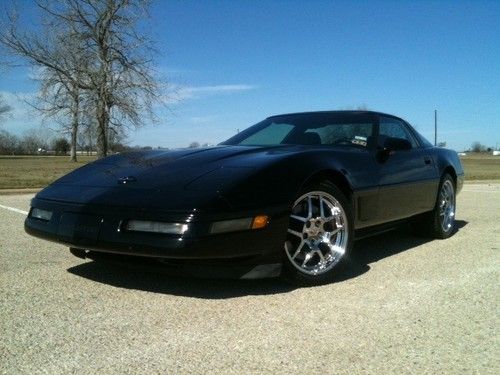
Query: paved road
(410, 306)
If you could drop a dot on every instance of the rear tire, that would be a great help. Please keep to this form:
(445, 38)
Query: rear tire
(320, 235)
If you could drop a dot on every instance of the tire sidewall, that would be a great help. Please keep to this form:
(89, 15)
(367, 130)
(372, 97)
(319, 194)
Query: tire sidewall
(438, 230)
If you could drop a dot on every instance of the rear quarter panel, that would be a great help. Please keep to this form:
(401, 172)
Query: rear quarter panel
(448, 160)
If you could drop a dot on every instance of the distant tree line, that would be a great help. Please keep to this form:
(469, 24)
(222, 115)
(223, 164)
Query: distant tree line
(28, 144)
(40, 142)
(479, 147)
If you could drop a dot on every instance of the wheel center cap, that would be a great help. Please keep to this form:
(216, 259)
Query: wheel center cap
(314, 227)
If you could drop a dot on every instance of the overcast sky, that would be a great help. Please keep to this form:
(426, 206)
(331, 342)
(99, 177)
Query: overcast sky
(233, 63)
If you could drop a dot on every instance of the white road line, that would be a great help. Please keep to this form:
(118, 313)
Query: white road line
(14, 209)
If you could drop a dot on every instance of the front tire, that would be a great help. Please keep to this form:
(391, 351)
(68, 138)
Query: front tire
(320, 235)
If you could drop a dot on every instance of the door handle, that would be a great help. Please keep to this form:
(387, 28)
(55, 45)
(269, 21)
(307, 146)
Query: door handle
(427, 160)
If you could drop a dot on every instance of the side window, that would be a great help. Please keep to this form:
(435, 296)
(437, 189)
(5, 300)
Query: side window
(393, 128)
(357, 134)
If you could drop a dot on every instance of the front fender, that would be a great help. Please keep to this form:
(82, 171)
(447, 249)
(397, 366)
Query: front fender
(280, 182)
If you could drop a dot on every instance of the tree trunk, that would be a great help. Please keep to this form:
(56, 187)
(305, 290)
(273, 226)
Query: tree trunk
(74, 131)
(102, 130)
(102, 141)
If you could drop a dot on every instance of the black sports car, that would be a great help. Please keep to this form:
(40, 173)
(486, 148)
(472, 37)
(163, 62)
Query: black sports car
(287, 196)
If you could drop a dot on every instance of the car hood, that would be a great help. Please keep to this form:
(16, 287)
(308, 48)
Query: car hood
(188, 177)
(168, 170)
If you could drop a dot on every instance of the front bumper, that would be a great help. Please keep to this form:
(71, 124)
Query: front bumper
(99, 229)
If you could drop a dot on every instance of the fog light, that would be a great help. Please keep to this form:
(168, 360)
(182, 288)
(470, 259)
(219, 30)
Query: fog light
(235, 225)
(38, 213)
(155, 227)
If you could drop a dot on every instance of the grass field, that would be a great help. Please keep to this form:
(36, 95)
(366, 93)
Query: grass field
(19, 172)
(481, 166)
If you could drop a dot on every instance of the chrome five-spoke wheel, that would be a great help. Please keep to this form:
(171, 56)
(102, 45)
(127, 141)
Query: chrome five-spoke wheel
(447, 205)
(318, 233)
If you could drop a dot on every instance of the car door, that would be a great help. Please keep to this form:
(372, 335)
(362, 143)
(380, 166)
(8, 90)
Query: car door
(407, 173)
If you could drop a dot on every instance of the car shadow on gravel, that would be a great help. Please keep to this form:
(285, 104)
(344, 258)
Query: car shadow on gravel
(158, 282)
(373, 249)
(365, 252)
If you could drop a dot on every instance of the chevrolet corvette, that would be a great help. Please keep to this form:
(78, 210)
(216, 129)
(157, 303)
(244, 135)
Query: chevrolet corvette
(288, 196)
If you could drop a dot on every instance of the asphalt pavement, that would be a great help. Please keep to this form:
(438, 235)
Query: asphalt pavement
(409, 306)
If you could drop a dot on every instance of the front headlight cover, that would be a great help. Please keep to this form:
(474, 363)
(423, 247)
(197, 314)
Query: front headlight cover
(155, 227)
(40, 214)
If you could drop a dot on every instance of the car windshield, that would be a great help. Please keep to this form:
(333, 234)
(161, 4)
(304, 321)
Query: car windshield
(352, 130)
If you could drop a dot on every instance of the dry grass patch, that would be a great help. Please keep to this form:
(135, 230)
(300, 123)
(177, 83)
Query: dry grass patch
(18, 172)
(481, 166)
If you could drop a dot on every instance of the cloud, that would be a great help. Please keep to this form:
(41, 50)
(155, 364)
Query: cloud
(21, 117)
(179, 93)
(202, 119)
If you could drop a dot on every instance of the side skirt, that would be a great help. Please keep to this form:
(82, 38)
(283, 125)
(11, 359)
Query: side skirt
(382, 228)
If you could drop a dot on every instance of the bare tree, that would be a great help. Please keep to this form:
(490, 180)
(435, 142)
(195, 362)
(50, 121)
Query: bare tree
(120, 76)
(62, 100)
(61, 95)
(9, 143)
(114, 61)
(478, 147)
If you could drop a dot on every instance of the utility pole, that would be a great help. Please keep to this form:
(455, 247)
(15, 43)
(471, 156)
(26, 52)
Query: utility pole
(435, 127)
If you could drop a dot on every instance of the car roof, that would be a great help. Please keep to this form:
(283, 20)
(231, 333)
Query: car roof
(339, 112)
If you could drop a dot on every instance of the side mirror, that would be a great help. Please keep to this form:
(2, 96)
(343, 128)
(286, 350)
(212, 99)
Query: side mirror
(397, 144)
(390, 146)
